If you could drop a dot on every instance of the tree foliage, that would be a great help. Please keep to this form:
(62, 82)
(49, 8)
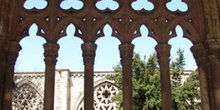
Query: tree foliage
(146, 84)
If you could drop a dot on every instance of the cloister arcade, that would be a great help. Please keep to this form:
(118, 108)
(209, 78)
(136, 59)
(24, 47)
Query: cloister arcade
(200, 24)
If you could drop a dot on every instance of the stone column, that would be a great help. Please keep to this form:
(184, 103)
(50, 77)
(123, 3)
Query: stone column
(126, 53)
(51, 53)
(163, 54)
(215, 72)
(89, 50)
(13, 49)
(200, 55)
(2, 67)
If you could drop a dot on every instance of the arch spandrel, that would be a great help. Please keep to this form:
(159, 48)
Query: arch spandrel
(189, 31)
(125, 12)
(22, 30)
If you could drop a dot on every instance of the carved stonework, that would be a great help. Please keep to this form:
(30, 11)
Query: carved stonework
(89, 50)
(51, 52)
(12, 50)
(163, 52)
(102, 97)
(26, 97)
(126, 53)
(200, 54)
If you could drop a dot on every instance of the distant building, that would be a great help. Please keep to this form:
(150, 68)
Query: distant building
(29, 90)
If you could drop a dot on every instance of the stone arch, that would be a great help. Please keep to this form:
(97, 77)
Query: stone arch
(72, 43)
(23, 29)
(189, 31)
(30, 83)
(152, 28)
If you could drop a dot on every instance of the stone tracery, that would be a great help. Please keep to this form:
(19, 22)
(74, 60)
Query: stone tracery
(102, 97)
(103, 94)
(26, 97)
(89, 21)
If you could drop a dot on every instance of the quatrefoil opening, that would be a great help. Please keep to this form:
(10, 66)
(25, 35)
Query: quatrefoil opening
(142, 4)
(175, 5)
(71, 4)
(38, 4)
(107, 4)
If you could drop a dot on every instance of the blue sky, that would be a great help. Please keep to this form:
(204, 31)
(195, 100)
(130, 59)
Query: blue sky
(107, 54)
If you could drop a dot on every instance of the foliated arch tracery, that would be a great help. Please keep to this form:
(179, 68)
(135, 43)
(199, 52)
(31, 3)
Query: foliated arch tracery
(189, 30)
(122, 17)
(26, 96)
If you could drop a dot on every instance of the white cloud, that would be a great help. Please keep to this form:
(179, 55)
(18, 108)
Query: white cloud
(75, 4)
(175, 5)
(142, 4)
(38, 4)
(110, 4)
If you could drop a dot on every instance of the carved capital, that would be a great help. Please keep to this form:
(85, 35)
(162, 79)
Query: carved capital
(163, 52)
(126, 52)
(51, 52)
(12, 51)
(89, 50)
(200, 54)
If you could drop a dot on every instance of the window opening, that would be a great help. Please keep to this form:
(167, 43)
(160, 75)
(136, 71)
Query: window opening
(71, 4)
(184, 77)
(70, 51)
(175, 5)
(107, 4)
(142, 5)
(31, 56)
(38, 4)
(107, 53)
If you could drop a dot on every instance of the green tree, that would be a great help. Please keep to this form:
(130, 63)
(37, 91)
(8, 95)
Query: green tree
(177, 68)
(184, 95)
(146, 84)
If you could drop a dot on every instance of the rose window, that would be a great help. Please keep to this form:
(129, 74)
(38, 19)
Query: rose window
(103, 95)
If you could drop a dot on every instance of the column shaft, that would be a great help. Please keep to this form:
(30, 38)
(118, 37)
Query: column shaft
(88, 58)
(51, 53)
(2, 68)
(12, 54)
(200, 55)
(215, 70)
(126, 53)
(163, 54)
